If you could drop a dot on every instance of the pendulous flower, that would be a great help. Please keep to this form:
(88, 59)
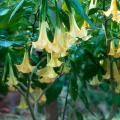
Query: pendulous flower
(46, 80)
(12, 80)
(114, 11)
(74, 29)
(76, 32)
(116, 74)
(95, 81)
(54, 62)
(43, 41)
(59, 44)
(114, 51)
(25, 66)
(92, 4)
(47, 72)
(36, 93)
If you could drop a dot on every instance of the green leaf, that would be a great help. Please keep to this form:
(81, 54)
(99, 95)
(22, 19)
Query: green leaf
(79, 116)
(53, 92)
(16, 9)
(4, 11)
(116, 99)
(79, 9)
(10, 43)
(92, 11)
(74, 88)
(64, 17)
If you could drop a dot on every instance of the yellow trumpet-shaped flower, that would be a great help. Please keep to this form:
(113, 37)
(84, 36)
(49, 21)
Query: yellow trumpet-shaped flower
(84, 34)
(12, 80)
(46, 80)
(69, 40)
(74, 29)
(95, 81)
(85, 24)
(22, 104)
(54, 62)
(75, 32)
(59, 43)
(36, 93)
(47, 72)
(66, 69)
(92, 4)
(118, 51)
(116, 74)
(25, 66)
(43, 41)
(114, 11)
(117, 89)
(106, 66)
(114, 51)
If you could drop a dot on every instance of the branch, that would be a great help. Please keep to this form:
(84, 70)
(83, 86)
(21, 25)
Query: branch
(66, 100)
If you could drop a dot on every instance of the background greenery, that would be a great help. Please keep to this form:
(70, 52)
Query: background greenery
(19, 26)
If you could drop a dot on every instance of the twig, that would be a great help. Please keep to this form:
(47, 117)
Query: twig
(114, 107)
(35, 19)
(112, 112)
(66, 101)
(27, 102)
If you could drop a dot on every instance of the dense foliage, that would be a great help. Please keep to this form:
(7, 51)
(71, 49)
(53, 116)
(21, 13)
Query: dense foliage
(46, 45)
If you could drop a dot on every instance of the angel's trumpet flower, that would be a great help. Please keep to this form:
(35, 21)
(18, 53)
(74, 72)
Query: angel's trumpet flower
(25, 66)
(117, 89)
(54, 62)
(12, 80)
(114, 51)
(46, 80)
(75, 32)
(47, 72)
(43, 41)
(74, 29)
(85, 24)
(116, 74)
(118, 51)
(106, 66)
(95, 81)
(59, 43)
(92, 4)
(22, 104)
(84, 33)
(114, 11)
(36, 93)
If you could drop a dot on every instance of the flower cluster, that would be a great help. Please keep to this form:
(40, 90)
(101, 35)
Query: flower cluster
(113, 10)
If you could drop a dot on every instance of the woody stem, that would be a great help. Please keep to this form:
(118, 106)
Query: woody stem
(113, 107)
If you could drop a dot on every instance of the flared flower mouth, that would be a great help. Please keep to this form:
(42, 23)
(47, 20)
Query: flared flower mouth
(113, 10)
(95, 81)
(25, 66)
(93, 4)
(22, 104)
(114, 51)
(76, 32)
(46, 80)
(12, 80)
(59, 42)
(54, 61)
(116, 73)
(47, 72)
(43, 40)
(85, 24)
(74, 29)
(36, 93)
